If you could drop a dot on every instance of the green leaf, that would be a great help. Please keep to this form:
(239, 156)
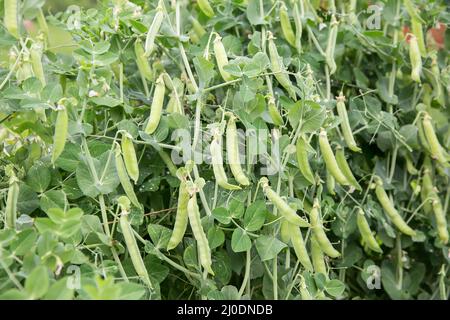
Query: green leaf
(254, 13)
(335, 288)
(383, 92)
(204, 69)
(268, 247)
(216, 237)
(160, 235)
(255, 216)
(240, 241)
(222, 215)
(311, 114)
(52, 199)
(60, 290)
(37, 282)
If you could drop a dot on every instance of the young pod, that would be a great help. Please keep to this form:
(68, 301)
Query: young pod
(157, 105)
(221, 58)
(197, 27)
(133, 249)
(441, 221)
(217, 164)
(61, 131)
(278, 68)
(204, 250)
(286, 27)
(168, 162)
(273, 112)
(298, 28)
(390, 210)
(129, 156)
(11, 18)
(317, 257)
(299, 247)
(283, 207)
(331, 183)
(366, 233)
(437, 152)
(153, 30)
(345, 168)
(319, 232)
(123, 177)
(426, 190)
(36, 61)
(206, 8)
(302, 159)
(142, 62)
(331, 45)
(330, 160)
(11, 203)
(416, 29)
(285, 232)
(233, 152)
(181, 219)
(415, 58)
(345, 124)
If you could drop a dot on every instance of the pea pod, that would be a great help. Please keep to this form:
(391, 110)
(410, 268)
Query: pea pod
(299, 247)
(278, 68)
(141, 60)
(168, 162)
(298, 28)
(217, 164)
(129, 156)
(285, 232)
(286, 211)
(441, 221)
(133, 249)
(11, 203)
(366, 233)
(317, 257)
(302, 160)
(204, 250)
(233, 153)
(415, 58)
(286, 27)
(426, 189)
(345, 124)
(416, 28)
(197, 27)
(437, 152)
(319, 233)
(123, 177)
(36, 61)
(157, 105)
(206, 8)
(331, 45)
(331, 183)
(221, 58)
(61, 130)
(345, 168)
(11, 17)
(153, 30)
(330, 160)
(181, 219)
(390, 210)
(304, 293)
(273, 112)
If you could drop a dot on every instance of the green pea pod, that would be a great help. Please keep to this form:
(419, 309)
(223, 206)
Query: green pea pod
(157, 105)
(11, 18)
(153, 30)
(285, 233)
(304, 293)
(437, 152)
(278, 68)
(298, 28)
(11, 203)
(345, 168)
(285, 210)
(129, 157)
(233, 153)
(330, 160)
(273, 112)
(299, 247)
(366, 233)
(440, 216)
(206, 8)
(221, 58)
(412, 11)
(123, 177)
(331, 183)
(331, 45)
(286, 27)
(416, 28)
(317, 257)
(319, 232)
(390, 210)
(197, 27)
(204, 250)
(133, 249)
(302, 160)
(217, 164)
(415, 58)
(141, 60)
(181, 219)
(410, 165)
(345, 124)
(426, 190)
(61, 130)
(36, 62)
(168, 162)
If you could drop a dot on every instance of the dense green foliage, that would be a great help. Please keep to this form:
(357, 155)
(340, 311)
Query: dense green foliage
(343, 194)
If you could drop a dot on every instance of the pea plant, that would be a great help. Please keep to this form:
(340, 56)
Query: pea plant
(241, 149)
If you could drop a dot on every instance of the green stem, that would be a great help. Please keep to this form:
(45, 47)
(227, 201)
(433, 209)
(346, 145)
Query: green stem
(247, 273)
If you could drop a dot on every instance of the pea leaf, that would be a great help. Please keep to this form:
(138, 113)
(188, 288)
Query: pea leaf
(268, 247)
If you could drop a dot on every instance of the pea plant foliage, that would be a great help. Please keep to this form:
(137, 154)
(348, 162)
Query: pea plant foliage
(209, 149)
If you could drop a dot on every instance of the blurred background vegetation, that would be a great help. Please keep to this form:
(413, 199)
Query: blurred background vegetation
(61, 5)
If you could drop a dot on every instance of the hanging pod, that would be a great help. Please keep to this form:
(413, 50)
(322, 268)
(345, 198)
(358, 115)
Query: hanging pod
(36, 51)
(217, 164)
(345, 168)
(61, 131)
(366, 233)
(285, 210)
(11, 17)
(390, 210)
(415, 58)
(317, 257)
(157, 105)
(286, 27)
(437, 151)
(11, 202)
(330, 160)
(302, 159)
(299, 246)
(221, 58)
(142, 62)
(129, 156)
(182, 217)
(345, 124)
(206, 8)
(233, 152)
(273, 111)
(154, 28)
(331, 45)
